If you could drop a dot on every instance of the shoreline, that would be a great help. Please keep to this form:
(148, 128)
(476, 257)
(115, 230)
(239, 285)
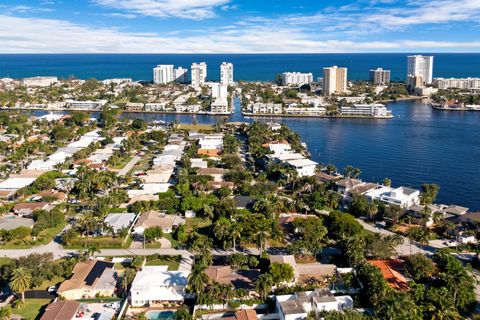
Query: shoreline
(313, 116)
(123, 111)
(454, 109)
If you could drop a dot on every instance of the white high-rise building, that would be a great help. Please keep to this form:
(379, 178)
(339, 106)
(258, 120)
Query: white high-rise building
(296, 78)
(219, 91)
(226, 73)
(461, 83)
(420, 66)
(180, 75)
(163, 73)
(380, 76)
(199, 74)
(334, 80)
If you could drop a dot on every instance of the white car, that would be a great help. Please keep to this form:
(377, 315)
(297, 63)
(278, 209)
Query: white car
(112, 305)
(52, 289)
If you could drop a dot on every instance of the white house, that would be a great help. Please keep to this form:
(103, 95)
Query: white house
(304, 167)
(402, 196)
(154, 284)
(300, 304)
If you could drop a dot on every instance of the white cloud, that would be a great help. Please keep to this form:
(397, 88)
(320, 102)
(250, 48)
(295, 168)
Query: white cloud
(33, 35)
(120, 15)
(186, 9)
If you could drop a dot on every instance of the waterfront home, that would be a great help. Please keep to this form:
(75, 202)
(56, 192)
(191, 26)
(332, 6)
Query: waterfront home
(423, 214)
(166, 222)
(402, 196)
(391, 271)
(211, 141)
(300, 304)
(240, 279)
(61, 310)
(155, 284)
(85, 105)
(304, 167)
(344, 186)
(134, 106)
(264, 108)
(89, 280)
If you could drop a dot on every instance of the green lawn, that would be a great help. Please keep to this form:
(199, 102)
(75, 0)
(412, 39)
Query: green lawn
(174, 243)
(173, 262)
(44, 237)
(121, 164)
(195, 223)
(48, 283)
(31, 308)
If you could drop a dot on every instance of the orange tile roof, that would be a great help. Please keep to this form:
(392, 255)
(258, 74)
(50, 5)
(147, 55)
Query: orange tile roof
(389, 271)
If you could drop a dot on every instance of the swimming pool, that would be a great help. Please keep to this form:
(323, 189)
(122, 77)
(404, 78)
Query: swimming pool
(160, 315)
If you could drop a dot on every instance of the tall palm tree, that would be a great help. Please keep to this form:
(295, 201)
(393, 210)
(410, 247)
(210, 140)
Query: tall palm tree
(262, 236)
(20, 280)
(235, 233)
(372, 210)
(198, 279)
(264, 284)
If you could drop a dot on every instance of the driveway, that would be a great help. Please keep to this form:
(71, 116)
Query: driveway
(129, 166)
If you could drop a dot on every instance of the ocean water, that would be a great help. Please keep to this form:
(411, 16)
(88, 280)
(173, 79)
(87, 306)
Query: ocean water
(419, 145)
(249, 67)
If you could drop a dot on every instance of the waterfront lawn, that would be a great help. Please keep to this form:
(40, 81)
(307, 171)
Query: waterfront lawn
(173, 262)
(195, 127)
(31, 308)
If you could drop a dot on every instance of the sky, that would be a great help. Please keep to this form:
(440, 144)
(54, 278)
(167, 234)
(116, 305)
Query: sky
(239, 26)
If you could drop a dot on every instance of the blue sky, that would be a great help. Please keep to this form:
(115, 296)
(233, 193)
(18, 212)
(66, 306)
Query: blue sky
(238, 26)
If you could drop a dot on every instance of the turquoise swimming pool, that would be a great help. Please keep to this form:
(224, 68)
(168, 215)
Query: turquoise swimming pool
(160, 315)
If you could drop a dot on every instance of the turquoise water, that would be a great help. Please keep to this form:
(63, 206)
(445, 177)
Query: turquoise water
(160, 315)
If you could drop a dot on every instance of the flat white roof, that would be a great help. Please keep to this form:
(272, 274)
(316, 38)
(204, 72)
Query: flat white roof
(16, 183)
(302, 163)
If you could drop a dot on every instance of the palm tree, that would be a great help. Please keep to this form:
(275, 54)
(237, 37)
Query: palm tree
(331, 168)
(262, 236)
(263, 285)
(20, 280)
(372, 210)
(198, 279)
(235, 233)
(93, 248)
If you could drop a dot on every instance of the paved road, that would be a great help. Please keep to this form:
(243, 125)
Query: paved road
(129, 166)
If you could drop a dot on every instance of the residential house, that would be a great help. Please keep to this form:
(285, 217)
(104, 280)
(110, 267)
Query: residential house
(306, 272)
(157, 219)
(304, 167)
(27, 208)
(300, 304)
(89, 280)
(241, 279)
(216, 173)
(390, 270)
(61, 310)
(155, 284)
(119, 221)
(402, 196)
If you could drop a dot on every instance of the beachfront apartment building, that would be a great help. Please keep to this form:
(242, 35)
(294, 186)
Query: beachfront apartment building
(158, 106)
(334, 80)
(379, 76)
(296, 78)
(419, 65)
(302, 110)
(198, 74)
(163, 74)
(374, 110)
(180, 75)
(460, 83)
(226, 73)
(39, 81)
